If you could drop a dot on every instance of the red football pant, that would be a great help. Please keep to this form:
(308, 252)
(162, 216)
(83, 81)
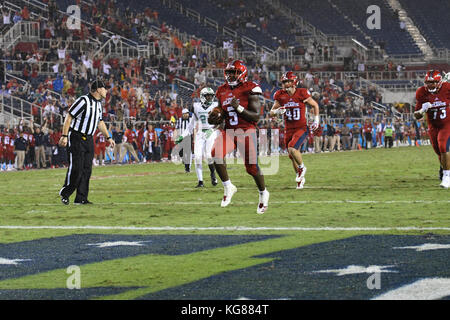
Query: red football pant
(440, 139)
(294, 138)
(246, 142)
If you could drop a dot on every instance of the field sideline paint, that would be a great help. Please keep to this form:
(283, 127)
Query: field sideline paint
(170, 203)
(231, 228)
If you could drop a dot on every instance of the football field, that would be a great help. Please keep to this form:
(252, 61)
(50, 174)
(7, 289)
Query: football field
(368, 225)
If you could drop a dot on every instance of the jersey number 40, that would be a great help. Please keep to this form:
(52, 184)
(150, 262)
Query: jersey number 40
(292, 114)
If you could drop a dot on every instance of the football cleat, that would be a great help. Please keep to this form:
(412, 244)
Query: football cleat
(300, 174)
(82, 202)
(263, 202)
(301, 184)
(64, 200)
(214, 181)
(228, 194)
(445, 182)
(200, 185)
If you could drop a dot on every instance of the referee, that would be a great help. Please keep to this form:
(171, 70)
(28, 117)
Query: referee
(82, 120)
(183, 130)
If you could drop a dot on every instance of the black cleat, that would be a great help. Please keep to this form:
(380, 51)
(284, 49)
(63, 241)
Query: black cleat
(200, 184)
(214, 181)
(64, 200)
(82, 202)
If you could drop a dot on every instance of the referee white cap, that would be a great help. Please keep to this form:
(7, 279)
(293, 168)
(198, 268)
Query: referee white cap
(185, 110)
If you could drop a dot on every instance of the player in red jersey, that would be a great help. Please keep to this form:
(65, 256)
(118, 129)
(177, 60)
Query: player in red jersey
(2, 151)
(434, 99)
(9, 143)
(291, 102)
(100, 148)
(239, 100)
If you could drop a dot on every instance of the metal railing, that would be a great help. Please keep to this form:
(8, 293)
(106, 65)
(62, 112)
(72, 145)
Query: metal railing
(15, 67)
(19, 108)
(21, 31)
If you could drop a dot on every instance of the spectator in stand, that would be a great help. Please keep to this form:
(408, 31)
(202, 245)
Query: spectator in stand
(20, 148)
(331, 137)
(318, 139)
(345, 136)
(367, 131)
(388, 135)
(150, 142)
(118, 137)
(129, 144)
(356, 131)
(39, 149)
(379, 131)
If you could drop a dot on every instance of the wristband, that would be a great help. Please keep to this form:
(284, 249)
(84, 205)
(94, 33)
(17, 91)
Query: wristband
(109, 138)
(65, 135)
(240, 109)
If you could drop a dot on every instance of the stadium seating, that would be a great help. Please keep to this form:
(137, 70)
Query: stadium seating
(223, 12)
(335, 17)
(397, 41)
(435, 29)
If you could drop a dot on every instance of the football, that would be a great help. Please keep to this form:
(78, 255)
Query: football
(216, 116)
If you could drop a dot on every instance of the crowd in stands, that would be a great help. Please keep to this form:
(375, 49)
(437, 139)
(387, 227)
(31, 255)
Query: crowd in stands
(27, 146)
(62, 66)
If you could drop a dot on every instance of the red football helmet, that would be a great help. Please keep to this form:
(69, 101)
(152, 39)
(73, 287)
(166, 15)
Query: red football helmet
(289, 80)
(433, 81)
(235, 72)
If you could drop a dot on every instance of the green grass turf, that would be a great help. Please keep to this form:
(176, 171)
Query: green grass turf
(401, 182)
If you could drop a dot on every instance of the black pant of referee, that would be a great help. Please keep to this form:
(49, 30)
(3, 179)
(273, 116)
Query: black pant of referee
(82, 119)
(81, 154)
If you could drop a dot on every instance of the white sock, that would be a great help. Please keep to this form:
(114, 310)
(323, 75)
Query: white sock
(301, 166)
(262, 192)
(446, 173)
(199, 171)
(226, 183)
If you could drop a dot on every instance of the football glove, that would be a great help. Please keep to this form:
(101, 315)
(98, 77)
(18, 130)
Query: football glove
(315, 124)
(208, 133)
(280, 111)
(425, 107)
(179, 139)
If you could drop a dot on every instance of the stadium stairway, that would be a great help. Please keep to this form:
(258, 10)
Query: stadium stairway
(397, 41)
(411, 28)
(435, 31)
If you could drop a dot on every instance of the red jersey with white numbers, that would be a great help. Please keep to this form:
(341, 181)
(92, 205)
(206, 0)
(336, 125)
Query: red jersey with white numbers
(439, 114)
(225, 93)
(100, 139)
(295, 115)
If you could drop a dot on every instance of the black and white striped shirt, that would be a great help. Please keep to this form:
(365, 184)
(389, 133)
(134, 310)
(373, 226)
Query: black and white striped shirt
(86, 112)
(183, 126)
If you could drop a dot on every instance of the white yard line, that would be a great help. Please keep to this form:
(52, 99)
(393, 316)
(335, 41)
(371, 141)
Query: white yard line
(230, 228)
(170, 203)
